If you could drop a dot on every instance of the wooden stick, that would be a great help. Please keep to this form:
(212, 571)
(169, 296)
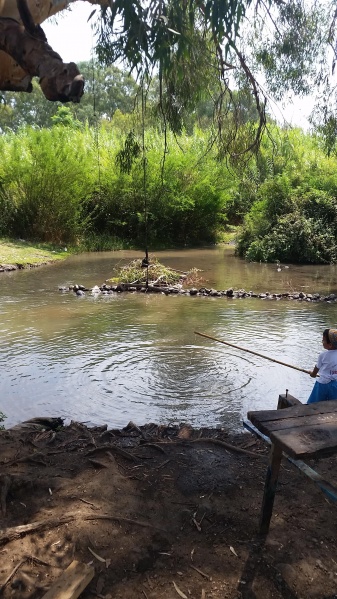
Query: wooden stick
(253, 352)
(10, 576)
(120, 519)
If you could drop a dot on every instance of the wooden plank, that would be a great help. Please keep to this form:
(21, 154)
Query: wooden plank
(72, 582)
(308, 441)
(261, 426)
(270, 485)
(301, 421)
(321, 407)
(286, 400)
(325, 486)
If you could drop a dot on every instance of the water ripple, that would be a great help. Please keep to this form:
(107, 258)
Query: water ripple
(136, 357)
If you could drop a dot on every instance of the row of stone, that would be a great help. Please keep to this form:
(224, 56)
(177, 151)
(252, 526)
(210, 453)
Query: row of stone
(18, 266)
(106, 289)
(10, 267)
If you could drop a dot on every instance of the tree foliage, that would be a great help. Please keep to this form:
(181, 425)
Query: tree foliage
(224, 49)
(202, 51)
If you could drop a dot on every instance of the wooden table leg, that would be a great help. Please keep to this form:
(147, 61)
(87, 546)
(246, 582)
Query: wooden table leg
(275, 458)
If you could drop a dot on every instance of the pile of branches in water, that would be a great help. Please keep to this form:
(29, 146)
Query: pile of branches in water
(141, 272)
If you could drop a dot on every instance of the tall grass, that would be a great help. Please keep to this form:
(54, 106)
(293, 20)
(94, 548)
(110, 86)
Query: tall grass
(64, 185)
(46, 174)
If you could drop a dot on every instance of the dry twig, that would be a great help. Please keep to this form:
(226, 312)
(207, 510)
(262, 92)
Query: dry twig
(201, 572)
(224, 444)
(18, 566)
(121, 519)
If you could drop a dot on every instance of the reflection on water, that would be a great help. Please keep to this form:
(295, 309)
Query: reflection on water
(136, 357)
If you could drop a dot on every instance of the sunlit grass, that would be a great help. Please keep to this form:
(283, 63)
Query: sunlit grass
(24, 253)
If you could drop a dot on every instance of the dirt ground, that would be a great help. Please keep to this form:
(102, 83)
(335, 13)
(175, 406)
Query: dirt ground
(160, 513)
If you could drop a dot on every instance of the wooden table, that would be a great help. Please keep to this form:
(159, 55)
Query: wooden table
(300, 431)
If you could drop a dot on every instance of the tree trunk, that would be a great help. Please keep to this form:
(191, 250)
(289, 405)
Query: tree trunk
(25, 53)
(58, 81)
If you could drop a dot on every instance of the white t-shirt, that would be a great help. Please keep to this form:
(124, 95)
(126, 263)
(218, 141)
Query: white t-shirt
(327, 365)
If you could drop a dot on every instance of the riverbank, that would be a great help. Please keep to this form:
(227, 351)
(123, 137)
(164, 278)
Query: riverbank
(17, 254)
(159, 512)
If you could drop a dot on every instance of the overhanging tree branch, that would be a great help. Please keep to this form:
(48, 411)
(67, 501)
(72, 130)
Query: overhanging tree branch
(59, 81)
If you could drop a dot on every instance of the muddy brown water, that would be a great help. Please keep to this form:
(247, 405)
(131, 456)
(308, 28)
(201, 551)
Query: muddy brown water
(126, 357)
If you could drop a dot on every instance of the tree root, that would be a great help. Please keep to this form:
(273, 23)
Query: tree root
(224, 444)
(126, 520)
(10, 534)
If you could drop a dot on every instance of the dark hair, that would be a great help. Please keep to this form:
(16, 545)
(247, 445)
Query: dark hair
(326, 335)
(331, 336)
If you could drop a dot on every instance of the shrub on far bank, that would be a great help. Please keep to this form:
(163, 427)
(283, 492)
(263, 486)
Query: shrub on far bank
(299, 227)
(295, 238)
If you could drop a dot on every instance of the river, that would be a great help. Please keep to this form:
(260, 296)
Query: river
(112, 359)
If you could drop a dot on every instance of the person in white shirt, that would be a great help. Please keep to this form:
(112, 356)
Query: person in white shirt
(326, 388)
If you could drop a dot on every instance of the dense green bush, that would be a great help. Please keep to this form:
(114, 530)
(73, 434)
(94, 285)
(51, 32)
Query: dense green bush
(307, 233)
(65, 185)
(7, 209)
(294, 218)
(295, 238)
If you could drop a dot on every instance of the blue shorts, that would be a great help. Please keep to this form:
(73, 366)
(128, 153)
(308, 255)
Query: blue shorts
(323, 392)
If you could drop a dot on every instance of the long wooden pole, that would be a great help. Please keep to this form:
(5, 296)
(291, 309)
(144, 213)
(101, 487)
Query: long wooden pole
(252, 352)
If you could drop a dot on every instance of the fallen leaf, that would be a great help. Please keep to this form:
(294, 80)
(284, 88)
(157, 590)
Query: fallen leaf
(201, 572)
(185, 432)
(179, 591)
(101, 559)
(173, 31)
(197, 525)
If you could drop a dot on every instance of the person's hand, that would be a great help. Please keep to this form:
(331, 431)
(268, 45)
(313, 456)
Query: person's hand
(313, 374)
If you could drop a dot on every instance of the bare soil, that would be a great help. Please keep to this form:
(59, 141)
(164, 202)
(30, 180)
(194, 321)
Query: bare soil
(160, 513)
